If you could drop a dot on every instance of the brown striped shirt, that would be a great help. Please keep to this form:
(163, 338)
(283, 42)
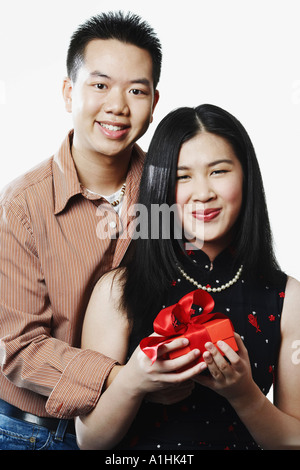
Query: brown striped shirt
(55, 242)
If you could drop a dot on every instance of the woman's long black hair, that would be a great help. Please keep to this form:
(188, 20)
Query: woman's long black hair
(151, 261)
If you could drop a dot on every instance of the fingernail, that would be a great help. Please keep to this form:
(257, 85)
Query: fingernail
(185, 341)
(206, 355)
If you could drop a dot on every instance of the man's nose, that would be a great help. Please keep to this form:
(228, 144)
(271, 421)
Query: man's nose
(116, 103)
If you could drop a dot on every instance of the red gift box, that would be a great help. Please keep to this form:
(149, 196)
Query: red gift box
(220, 329)
(190, 318)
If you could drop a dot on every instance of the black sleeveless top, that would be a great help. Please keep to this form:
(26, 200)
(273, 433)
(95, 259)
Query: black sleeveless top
(205, 420)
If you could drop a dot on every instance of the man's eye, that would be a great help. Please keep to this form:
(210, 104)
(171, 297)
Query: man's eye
(135, 91)
(100, 86)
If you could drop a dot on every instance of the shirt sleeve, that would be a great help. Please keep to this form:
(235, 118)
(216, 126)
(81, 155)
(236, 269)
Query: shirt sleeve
(29, 356)
(90, 368)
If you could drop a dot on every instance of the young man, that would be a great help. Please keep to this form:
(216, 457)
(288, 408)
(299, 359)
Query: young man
(59, 233)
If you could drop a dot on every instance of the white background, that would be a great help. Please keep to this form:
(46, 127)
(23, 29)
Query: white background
(242, 55)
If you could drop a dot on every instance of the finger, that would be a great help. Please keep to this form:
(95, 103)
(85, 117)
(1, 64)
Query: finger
(216, 363)
(233, 356)
(228, 352)
(186, 358)
(183, 375)
(180, 362)
(241, 346)
(214, 370)
(177, 343)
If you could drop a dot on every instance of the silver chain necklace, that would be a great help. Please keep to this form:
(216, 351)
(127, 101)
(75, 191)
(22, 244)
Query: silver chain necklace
(212, 289)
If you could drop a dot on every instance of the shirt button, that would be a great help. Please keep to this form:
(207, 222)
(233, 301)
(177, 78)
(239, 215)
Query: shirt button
(112, 224)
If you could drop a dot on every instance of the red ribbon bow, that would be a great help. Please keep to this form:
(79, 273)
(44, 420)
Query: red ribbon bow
(179, 319)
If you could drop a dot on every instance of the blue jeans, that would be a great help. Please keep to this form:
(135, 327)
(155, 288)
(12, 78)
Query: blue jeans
(21, 435)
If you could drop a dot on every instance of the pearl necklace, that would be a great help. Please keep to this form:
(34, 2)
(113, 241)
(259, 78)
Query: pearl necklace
(212, 289)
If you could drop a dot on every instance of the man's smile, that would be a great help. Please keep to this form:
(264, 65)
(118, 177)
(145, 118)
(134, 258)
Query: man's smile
(113, 130)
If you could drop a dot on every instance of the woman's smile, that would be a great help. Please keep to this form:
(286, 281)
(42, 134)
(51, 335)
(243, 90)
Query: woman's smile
(206, 215)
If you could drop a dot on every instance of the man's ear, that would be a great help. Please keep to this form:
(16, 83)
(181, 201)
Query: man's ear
(67, 93)
(155, 101)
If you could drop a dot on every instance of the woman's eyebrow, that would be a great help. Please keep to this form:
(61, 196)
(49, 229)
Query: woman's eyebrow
(215, 162)
(221, 160)
(183, 167)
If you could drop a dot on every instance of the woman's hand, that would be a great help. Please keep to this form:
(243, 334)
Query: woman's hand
(231, 379)
(144, 377)
(111, 418)
(172, 393)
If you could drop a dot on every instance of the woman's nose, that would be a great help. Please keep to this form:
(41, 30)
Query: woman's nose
(202, 191)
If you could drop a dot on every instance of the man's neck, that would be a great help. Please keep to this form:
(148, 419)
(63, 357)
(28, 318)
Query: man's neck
(102, 174)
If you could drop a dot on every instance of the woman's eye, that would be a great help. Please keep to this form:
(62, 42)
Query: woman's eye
(182, 177)
(219, 172)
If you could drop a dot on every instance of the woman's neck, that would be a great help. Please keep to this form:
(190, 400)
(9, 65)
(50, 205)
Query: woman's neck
(212, 249)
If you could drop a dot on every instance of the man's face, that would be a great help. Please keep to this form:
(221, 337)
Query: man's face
(112, 99)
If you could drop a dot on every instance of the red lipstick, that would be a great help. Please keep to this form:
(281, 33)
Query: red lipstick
(206, 215)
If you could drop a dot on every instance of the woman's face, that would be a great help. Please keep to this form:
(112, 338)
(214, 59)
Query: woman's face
(209, 191)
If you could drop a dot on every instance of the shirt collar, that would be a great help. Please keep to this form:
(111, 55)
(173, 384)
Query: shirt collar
(65, 178)
(200, 260)
(66, 183)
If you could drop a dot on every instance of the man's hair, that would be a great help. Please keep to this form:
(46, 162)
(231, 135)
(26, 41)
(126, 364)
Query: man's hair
(128, 28)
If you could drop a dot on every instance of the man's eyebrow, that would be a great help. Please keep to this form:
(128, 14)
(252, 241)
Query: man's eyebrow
(99, 74)
(141, 81)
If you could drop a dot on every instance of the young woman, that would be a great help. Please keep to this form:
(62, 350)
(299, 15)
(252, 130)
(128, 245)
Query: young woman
(203, 161)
